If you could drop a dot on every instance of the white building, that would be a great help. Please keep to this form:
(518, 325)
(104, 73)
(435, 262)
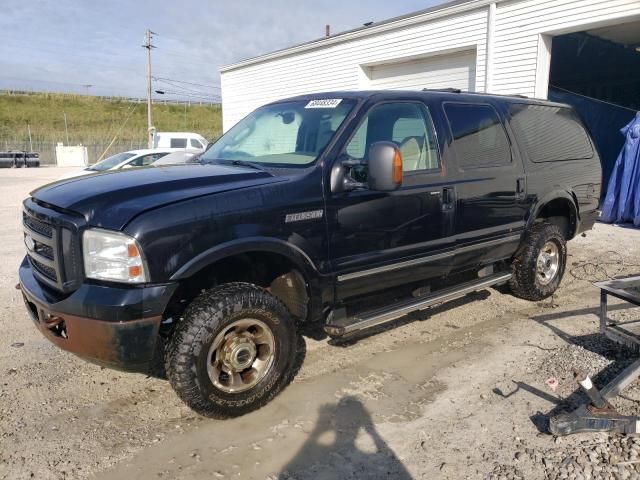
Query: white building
(503, 46)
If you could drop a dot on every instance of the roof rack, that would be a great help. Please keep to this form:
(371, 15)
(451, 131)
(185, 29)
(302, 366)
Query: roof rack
(449, 90)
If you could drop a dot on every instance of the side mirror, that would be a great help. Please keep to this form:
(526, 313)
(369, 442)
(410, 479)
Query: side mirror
(384, 170)
(385, 167)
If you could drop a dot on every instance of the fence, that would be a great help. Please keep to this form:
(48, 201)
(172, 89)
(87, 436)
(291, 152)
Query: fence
(47, 150)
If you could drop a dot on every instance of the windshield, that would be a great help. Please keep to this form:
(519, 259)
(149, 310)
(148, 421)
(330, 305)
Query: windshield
(289, 134)
(111, 162)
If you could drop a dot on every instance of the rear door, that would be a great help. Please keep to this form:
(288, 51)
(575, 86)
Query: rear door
(382, 239)
(491, 192)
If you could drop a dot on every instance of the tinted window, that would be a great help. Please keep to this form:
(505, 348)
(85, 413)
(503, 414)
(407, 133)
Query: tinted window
(550, 133)
(408, 125)
(479, 137)
(195, 143)
(178, 143)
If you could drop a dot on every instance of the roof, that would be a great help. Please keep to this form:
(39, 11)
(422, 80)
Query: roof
(400, 94)
(447, 8)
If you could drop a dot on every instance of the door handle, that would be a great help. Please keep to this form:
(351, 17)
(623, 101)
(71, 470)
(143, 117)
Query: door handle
(521, 188)
(448, 198)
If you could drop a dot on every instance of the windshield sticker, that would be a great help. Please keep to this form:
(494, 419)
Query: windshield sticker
(324, 103)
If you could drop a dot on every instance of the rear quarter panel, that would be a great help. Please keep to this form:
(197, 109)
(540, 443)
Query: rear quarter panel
(579, 180)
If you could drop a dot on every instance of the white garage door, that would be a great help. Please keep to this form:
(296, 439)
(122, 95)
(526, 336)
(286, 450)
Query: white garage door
(455, 70)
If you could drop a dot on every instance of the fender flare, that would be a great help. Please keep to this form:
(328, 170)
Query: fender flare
(556, 195)
(250, 244)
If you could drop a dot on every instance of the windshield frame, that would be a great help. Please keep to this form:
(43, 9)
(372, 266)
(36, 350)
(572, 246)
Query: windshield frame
(355, 104)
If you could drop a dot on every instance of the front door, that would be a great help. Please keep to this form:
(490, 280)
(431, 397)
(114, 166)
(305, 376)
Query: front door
(382, 239)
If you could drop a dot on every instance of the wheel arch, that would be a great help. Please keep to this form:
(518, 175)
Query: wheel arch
(252, 244)
(279, 266)
(560, 208)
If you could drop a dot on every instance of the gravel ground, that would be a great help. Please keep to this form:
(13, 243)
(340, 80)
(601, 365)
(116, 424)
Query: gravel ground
(458, 391)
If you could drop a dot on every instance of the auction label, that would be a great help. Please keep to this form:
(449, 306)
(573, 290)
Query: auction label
(324, 103)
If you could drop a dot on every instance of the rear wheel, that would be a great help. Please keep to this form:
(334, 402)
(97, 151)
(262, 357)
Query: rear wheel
(233, 352)
(539, 265)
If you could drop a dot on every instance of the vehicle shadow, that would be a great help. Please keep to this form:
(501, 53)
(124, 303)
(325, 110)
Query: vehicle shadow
(337, 449)
(620, 356)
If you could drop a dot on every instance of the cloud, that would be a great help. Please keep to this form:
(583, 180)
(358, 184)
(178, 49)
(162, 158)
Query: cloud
(63, 45)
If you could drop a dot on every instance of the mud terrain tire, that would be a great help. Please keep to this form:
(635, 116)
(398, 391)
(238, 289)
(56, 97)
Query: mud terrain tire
(214, 315)
(528, 280)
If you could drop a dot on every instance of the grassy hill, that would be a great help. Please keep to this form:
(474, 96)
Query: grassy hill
(95, 121)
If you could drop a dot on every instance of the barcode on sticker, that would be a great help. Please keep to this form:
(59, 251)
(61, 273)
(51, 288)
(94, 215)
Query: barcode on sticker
(324, 103)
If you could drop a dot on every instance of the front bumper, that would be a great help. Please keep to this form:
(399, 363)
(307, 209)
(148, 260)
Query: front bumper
(112, 326)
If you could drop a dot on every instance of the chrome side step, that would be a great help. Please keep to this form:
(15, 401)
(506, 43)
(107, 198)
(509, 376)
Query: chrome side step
(340, 326)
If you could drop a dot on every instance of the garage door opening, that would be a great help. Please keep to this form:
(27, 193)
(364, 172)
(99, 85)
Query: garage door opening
(598, 72)
(453, 70)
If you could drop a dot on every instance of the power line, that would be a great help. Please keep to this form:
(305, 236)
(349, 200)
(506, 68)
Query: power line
(184, 89)
(188, 83)
(204, 97)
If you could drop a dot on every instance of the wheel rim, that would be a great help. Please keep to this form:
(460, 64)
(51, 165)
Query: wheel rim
(241, 355)
(548, 263)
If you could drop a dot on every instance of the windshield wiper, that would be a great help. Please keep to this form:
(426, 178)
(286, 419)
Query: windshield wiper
(244, 163)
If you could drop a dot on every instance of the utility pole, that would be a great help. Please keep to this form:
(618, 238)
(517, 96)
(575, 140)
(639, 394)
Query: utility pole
(147, 44)
(87, 86)
(66, 130)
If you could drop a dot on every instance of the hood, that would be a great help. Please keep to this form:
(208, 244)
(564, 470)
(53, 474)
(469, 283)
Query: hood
(111, 199)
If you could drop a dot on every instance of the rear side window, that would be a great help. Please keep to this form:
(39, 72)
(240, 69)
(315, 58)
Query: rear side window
(479, 139)
(178, 143)
(550, 133)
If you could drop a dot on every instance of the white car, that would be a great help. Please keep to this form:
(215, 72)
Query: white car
(133, 158)
(182, 157)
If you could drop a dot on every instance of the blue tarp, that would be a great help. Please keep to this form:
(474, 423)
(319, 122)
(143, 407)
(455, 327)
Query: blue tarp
(622, 203)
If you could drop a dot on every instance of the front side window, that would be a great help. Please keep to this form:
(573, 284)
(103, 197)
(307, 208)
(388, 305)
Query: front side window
(408, 125)
(287, 134)
(195, 143)
(479, 139)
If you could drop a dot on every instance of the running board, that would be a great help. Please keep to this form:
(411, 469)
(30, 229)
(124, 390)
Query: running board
(339, 326)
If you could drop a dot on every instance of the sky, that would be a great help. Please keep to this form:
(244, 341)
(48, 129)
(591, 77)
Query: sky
(64, 45)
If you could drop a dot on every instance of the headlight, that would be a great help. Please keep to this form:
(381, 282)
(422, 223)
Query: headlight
(112, 256)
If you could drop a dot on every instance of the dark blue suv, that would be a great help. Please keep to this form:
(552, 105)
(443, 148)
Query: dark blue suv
(346, 208)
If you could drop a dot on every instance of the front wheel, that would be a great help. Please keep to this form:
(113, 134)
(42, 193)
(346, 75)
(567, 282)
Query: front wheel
(539, 265)
(233, 351)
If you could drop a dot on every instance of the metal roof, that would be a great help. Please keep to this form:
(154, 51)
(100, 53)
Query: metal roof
(443, 9)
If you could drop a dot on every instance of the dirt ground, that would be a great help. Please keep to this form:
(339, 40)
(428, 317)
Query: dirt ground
(455, 392)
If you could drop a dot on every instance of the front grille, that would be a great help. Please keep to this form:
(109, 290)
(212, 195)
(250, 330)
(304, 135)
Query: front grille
(44, 250)
(41, 239)
(37, 226)
(45, 270)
